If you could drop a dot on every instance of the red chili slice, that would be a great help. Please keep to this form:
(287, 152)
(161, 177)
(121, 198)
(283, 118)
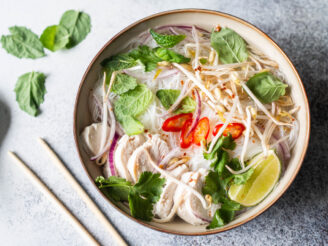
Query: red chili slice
(175, 123)
(235, 129)
(186, 140)
(201, 131)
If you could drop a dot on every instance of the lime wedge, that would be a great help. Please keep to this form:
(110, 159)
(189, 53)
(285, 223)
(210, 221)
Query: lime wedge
(265, 176)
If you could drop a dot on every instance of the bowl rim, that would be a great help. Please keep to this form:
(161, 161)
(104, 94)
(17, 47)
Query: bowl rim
(211, 12)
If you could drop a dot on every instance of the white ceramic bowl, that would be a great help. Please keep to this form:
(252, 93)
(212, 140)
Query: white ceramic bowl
(206, 19)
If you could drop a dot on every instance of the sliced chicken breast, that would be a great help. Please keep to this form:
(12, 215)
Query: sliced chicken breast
(191, 209)
(163, 207)
(124, 150)
(139, 161)
(91, 138)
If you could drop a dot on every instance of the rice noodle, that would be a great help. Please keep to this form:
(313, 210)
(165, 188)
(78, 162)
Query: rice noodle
(248, 128)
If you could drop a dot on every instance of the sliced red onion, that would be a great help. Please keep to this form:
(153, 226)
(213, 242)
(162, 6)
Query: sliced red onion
(186, 27)
(173, 153)
(168, 73)
(201, 217)
(110, 159)
(111, 134)
(197, 113)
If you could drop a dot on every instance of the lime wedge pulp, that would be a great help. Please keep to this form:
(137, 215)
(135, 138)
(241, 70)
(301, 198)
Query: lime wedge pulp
(265, 176)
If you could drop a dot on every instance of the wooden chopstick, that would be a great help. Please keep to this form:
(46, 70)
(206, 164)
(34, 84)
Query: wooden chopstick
(92, 206)
(35, 179)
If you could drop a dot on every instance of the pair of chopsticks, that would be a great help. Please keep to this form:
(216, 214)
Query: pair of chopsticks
(92, 206)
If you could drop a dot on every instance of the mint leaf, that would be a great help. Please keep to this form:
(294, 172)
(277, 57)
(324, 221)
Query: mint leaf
(167, 98)
(229, 45)
(130, 125)
(146, 56)
(141, 196)
(131, 105)
(166, 41)
(30, 91)
(123, 83)
(187, 105)
(22, 43)
(55, 37)
(170, 55)
(78, 25)
(266, 87)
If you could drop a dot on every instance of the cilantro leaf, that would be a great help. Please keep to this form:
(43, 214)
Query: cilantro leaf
(243, 177)
(130, 105)
(30, 91)
(114, 187)
(226, 142)
(123, 83)
(220, 218)
(141, 196)
(213, 186)
(266, 87)
(78, 25)
(22, 43)
(166, 41)
(168, 96)
(150, 185)
(229, 45)
(55, 37)
(169, 55)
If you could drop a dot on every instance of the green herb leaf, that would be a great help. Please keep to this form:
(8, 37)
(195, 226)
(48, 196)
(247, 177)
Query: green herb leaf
(131, 105)
(203, 61)
(230, 47)
(55, 37)
(123, 83)
(22, 43)
(166, 41)
(140, 196)
(78, 25)
(266, 87)
(168, 96)
(226, 142)
(243, 177)
(213, 187)
(170, 55)
(30, 91)
(116, 188)
(187, 105)
(146, 56)
(220, 218)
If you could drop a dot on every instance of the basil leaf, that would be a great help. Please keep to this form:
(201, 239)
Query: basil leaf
(170, 55)
(266, 87)
(168, 96)
(22, 43)
(78, 25)
(55, 37)
(141, 196)
(166, 41)
(30, 91)
(230, 47)
(131, 105)
(123, 83)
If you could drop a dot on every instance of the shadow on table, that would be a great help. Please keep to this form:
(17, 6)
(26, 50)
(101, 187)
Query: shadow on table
(5, 119)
